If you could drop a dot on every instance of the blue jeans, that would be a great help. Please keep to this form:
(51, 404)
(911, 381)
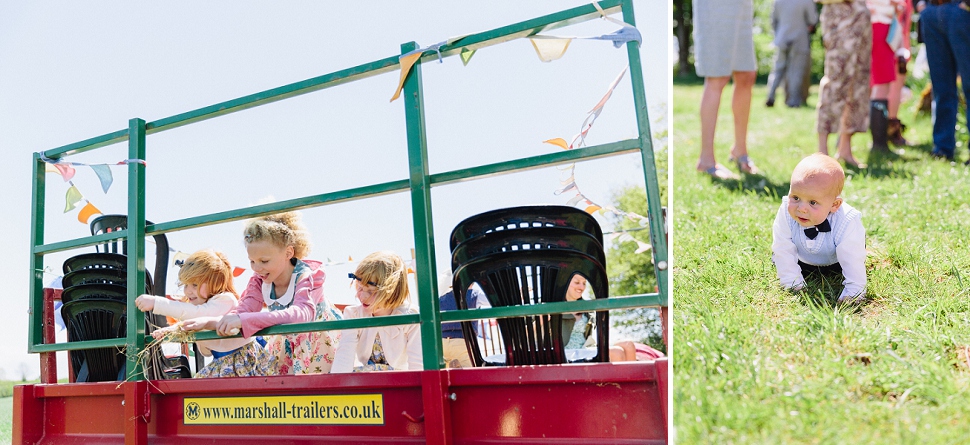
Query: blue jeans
(946, 32)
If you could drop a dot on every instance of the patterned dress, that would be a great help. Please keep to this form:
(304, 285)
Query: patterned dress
(305, 352)
(847, 36)
(247, 361)
(377, 361)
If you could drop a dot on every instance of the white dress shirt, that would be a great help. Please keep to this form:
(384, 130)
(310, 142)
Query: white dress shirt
(845, 244)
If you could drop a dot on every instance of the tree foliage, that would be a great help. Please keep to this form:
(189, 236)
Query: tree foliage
(633, 273)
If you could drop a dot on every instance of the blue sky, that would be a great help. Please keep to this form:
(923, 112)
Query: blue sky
(71, 71)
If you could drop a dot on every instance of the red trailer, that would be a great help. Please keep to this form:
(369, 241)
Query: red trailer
(622, 402)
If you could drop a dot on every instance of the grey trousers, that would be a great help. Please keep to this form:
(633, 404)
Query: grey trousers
(792, 61)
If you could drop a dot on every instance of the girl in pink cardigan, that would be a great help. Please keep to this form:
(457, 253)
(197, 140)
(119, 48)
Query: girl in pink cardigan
(291, 288)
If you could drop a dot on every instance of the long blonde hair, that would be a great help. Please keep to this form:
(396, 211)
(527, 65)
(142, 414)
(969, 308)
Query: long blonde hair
(388, 270)
(211, 268)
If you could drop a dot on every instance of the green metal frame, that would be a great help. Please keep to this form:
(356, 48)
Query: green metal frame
(418, 184)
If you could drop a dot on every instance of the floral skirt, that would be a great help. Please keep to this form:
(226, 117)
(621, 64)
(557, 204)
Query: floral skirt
(303, 353)
(247, 361)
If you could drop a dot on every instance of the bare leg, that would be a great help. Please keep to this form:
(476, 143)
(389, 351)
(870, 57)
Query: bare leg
(845, 150)
(895, 91)
(823, 143)
(710, 102)
(741, 108)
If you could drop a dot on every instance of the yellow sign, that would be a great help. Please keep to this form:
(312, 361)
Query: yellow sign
(353, 409)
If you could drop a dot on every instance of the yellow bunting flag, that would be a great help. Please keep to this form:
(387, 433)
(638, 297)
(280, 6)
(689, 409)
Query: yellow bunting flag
(406, 63)
(592, 209)
(559, 142)
(466, 55)
(550, 49)
(86, 213)
(72, 198)
(49, 168)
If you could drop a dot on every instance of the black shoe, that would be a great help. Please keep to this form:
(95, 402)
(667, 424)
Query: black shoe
(940, 155)
(770, 103)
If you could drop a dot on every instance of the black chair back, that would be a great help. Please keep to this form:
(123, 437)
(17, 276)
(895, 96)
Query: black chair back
(522, 217)
(96, 319)
(530, 277)
(531, 238)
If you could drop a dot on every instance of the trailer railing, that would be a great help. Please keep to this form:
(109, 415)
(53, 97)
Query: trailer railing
(418, 185)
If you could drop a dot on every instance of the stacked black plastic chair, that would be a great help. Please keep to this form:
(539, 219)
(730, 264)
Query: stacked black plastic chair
(95, 296)
(527, 256)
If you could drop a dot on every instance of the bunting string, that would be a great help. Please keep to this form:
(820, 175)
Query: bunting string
(548, 48)
(569, 181)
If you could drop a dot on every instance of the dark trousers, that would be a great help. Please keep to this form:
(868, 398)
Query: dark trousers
(830, 271)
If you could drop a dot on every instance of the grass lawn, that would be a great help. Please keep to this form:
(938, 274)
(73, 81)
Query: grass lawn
(6, 419)
(756, 364)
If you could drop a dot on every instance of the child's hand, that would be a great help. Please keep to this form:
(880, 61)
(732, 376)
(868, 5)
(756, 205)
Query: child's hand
(197, 324)
(229, 325)
(161, 332)
(145, 303)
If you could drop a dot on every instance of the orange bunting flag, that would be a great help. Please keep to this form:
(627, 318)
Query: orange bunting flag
(592, 209)
(85, 214)
(407, 62)
(237, 271)
(559, 142)
(350, 258)
(72, 198)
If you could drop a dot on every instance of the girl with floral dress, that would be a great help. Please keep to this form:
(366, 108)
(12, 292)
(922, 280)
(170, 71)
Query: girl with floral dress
(209, 293)
(382, 289)
(291, 289)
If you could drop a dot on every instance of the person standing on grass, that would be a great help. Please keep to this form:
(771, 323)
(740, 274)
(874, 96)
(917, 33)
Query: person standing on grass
(946, 31)
(816, 233)
(843, 93)
(724, 48)
(793, 22)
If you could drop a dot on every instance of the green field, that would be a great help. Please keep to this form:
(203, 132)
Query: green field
(6, 419)
(756, 364)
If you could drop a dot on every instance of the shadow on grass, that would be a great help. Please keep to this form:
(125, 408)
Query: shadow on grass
(758, 184)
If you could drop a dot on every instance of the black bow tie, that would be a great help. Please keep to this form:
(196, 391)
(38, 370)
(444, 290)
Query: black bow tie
(812, 232)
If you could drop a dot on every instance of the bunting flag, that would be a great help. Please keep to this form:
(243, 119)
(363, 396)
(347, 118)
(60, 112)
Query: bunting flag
(72, 198)
(549, 48)
(569, 183)
(466, 55)
(407, 61)
(104, 175)
(237, 271)
(87, 212)
(179, 258)
(66, 171)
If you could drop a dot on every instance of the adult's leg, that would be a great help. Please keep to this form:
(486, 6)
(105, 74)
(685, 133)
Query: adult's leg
(779, 72)
(741, 109)
(710, 102)
(959, 33)
(794, 80)
(943, 75)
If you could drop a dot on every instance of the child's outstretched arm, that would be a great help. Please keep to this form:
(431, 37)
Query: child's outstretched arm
(783, 251)
(851, 251)
(302, 309)
(215, 306)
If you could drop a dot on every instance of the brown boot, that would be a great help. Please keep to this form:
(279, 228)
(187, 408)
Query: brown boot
(895, 133)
